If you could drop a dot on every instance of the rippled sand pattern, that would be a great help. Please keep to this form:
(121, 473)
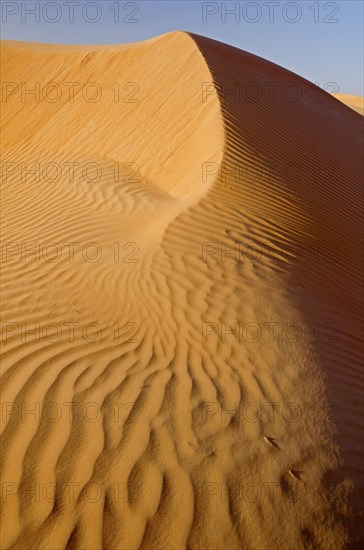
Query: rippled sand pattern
(205, 398)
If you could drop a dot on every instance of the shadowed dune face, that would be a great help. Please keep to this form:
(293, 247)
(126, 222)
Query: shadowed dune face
(296, 168)
(194, 417)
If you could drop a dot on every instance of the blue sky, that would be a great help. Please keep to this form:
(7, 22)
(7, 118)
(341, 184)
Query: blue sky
(320, 40)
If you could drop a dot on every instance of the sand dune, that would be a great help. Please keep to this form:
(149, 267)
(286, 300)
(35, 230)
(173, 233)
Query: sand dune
(355, 102)
(182, 291)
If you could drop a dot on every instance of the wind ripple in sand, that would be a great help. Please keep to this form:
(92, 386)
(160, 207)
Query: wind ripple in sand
(166, 430)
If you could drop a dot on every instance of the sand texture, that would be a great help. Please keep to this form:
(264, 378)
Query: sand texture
(181, 302)
(355, 102)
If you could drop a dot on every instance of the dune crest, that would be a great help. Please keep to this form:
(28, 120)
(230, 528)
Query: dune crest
(207, 394)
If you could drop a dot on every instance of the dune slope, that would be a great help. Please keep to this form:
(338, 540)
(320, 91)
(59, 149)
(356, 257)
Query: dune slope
(355, 102)
(181, 280)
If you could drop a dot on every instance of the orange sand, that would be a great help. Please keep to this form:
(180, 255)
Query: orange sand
(236, 208)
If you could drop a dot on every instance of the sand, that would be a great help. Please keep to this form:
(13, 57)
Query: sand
(182, 292)
(355, 102)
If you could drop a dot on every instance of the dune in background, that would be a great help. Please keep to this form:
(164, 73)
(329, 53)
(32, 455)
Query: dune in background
(355, 102)
(182, 301)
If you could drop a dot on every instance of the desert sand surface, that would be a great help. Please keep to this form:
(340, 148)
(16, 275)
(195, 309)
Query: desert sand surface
(181, 301)
(355, 102)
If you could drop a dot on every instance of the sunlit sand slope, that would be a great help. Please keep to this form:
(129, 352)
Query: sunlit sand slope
(355, 102)
(181, 301)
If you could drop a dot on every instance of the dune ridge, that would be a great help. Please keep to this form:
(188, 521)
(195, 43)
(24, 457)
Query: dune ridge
(171, 430)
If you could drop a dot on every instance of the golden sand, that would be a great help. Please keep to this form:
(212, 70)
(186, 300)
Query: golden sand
(355, 102)
(181, 287)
